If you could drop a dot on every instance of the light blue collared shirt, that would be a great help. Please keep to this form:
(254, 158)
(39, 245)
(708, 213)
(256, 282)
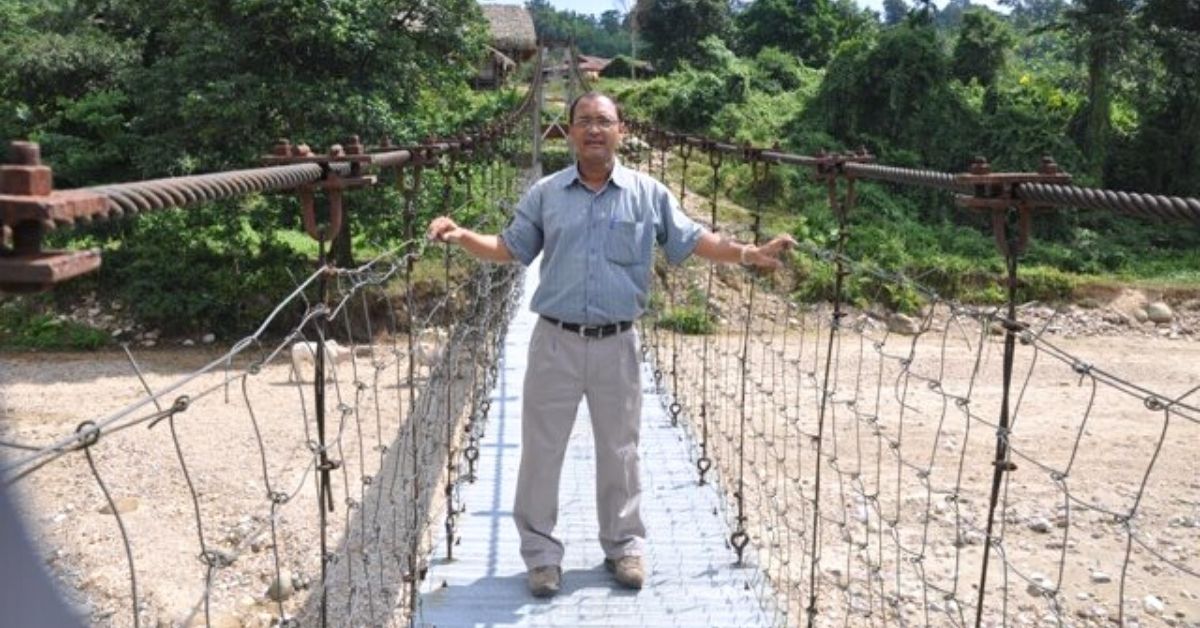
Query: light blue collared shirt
(597, 247)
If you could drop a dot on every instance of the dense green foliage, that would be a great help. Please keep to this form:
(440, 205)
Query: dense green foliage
(117, 90)
(934, 89)
(606, 36)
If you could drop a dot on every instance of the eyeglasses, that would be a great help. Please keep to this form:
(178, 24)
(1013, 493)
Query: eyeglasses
(603, 124)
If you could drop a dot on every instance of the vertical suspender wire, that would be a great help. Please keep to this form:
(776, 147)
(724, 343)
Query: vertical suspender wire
(1001, 463)
(447, 173)
(414, 549)
(704, 463)
(840, 210)
(739, 539)
(324, 495)
(685, 152)
(662, 156)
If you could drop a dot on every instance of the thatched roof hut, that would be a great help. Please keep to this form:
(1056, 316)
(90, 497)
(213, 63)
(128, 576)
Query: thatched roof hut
(512, 30)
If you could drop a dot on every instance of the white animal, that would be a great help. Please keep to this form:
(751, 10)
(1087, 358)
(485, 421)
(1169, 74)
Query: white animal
(304, 358)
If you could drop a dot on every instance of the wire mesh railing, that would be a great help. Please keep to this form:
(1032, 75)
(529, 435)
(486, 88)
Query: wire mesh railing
(299, 477)
(958, 465)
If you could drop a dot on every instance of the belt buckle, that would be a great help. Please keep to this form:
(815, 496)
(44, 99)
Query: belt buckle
(582, 331)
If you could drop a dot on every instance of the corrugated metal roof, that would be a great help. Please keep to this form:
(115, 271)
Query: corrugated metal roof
(691, 576)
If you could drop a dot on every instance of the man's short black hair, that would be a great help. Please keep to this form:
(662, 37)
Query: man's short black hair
(590, 96)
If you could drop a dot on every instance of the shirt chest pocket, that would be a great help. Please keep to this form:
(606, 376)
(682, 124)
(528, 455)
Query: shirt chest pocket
(624, 243)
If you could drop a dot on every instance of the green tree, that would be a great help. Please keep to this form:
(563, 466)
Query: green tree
(610, 21)
(673, 28)
(983, 42)
(605, 37)
(894, 95)
(810, 29)
(894, 11)
(951, 15)
(1166, 153)
(1102, 29)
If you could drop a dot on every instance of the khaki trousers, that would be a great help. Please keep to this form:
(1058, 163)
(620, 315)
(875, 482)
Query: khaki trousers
(564, 367)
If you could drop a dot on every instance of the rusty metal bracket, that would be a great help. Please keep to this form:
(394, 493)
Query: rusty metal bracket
(831, 167)
(332, 184)
(997, 192)
(29, 207)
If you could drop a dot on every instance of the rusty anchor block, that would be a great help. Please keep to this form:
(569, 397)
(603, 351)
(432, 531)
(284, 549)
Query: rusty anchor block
(29, 207)
(333, 184)
(997, 192)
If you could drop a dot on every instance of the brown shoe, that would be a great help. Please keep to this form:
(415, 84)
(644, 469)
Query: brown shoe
(627, 571)
(544, 581)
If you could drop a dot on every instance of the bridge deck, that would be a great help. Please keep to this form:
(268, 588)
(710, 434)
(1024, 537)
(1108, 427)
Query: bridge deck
(691, 576)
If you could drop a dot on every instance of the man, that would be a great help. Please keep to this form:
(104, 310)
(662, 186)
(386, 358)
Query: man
(595, 224)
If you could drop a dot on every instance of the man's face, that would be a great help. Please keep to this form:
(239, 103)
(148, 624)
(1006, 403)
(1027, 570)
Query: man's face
(596, 131)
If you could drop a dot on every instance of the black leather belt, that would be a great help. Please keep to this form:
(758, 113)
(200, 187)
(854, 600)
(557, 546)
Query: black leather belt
(591, 331)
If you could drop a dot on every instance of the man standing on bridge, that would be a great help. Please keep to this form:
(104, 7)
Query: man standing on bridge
(595, 224)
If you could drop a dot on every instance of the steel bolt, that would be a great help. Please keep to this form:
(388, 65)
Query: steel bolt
(25, 175)
(980, 165)
(24, 154)
(1049, 166)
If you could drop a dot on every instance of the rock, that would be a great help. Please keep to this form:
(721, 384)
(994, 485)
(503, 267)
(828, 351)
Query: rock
(153, 334)
(1141, 315)
(1099, 577)
(124, 505)
(1159, 312)
(1039, 585)
(904, 325)
(1115, 318)
(1152, 605)
(116, 305)
(1039, 524)
(149, 343)
(299, 581)
(189, 342)
(246, 601)
(116, 333)
(209, 338)
(281, 589)
(970, 537)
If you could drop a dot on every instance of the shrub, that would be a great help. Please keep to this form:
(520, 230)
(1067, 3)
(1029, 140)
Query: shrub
(23, 326)
(687, 319)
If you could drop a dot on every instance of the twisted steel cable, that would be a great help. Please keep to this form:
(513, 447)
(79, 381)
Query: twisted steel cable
(907, 176)
(1133, 203)
(140, 196)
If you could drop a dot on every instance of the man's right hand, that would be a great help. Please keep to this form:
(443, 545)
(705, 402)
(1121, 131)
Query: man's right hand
(443, 229)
